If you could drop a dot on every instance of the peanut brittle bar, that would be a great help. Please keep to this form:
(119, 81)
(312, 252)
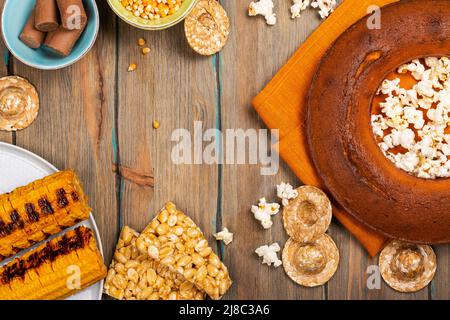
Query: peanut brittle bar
(134, 276)
(175, 241)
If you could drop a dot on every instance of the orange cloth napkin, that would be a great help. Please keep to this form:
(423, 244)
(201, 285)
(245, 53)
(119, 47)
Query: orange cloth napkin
(282, 105)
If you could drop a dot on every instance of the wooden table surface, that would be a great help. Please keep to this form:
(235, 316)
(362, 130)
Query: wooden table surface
(95, 116)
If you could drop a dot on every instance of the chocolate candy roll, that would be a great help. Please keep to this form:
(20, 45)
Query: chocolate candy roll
(73, 15)
(46, 16)
(61, 41)
(31, 36)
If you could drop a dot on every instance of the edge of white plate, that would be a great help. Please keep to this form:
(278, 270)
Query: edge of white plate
(54, 169)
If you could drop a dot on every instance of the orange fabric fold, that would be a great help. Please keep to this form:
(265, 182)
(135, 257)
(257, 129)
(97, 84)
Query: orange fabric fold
(282, 105)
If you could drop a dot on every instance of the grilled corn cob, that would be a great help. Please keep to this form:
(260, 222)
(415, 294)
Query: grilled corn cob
(34, 212)
(46, 273)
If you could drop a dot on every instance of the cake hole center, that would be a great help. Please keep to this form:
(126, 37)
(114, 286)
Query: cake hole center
(410, 117)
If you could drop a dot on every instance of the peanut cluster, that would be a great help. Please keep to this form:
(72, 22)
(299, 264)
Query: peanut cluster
(171, 259)
(134, 276)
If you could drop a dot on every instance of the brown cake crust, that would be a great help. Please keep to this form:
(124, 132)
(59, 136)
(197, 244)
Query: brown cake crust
(340, 136)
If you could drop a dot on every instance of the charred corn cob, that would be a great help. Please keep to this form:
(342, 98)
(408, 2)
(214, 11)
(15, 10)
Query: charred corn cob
(55, 270)
(134, 276)
(34, 212)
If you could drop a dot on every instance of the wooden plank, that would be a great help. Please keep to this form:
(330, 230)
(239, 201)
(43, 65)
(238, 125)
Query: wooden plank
(175, 86)
(5, 56)
(251, 58)
(76, 121)
(440, 287)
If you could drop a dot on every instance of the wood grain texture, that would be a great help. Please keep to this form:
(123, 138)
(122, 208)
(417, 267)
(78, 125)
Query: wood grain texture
(251, 58)
(74, 128)
(176, 87)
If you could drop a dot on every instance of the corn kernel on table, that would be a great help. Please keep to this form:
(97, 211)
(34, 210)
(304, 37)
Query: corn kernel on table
(97, 118)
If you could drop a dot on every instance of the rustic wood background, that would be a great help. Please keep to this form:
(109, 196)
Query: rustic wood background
(97, 118)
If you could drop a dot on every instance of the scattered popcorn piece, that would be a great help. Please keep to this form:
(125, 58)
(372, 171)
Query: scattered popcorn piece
(269, 254)
(286, 192)
(225, 235)
(132, 67)
(263, 212)
(264, 8)
(297, 7)
(156, 124)
(326, 7)
(151, 10)
(145, 51)
(414, 116)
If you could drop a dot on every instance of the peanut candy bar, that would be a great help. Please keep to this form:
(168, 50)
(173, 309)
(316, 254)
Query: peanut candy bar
(134, 276)
(175, 241)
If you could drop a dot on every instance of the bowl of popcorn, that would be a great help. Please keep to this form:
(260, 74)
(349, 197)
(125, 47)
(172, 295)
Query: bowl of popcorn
(152, 14)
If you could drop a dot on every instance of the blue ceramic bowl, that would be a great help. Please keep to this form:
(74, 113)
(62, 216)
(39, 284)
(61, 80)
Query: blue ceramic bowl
(14, 16)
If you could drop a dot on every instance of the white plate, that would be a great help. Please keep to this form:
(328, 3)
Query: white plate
(19, 167)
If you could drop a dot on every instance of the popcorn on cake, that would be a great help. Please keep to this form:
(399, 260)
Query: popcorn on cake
(414, 122)
(225, 235)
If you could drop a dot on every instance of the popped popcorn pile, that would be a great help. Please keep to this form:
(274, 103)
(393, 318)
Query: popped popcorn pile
(264, 8)
(269, 254)
(263, 212)
(412, 129)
